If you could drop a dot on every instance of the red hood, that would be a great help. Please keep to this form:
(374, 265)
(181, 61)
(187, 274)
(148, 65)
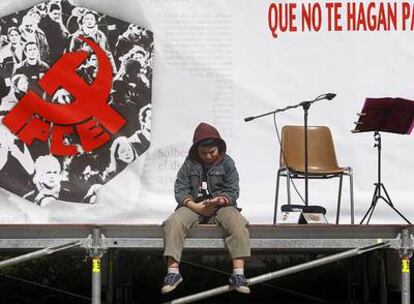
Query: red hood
(202, 132)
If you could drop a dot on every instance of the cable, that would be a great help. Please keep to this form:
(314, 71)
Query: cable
(284, 157)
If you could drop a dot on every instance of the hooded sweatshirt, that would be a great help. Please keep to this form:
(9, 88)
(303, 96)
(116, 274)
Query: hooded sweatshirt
(203, 132)
(221, 176)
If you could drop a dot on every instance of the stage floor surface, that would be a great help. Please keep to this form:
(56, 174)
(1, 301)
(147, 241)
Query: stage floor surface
(204, 237)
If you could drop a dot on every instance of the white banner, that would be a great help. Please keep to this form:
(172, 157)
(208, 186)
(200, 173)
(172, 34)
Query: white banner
(218, 62)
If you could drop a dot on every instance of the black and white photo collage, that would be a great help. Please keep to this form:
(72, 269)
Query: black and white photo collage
(31, 42)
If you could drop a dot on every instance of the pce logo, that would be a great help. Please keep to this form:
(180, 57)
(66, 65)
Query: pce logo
(89, 114)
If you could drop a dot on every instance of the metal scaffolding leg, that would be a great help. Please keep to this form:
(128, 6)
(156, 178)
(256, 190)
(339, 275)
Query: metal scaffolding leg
(38, 254)
(405, 253)
(96, 253)
(96, 280)
(280, 273)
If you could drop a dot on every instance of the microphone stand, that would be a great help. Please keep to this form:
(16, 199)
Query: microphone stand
(306, 106)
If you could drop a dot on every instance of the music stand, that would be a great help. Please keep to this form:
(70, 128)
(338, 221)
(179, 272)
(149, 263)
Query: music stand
(394, 115)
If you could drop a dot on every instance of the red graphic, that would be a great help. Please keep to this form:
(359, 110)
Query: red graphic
(89, 113)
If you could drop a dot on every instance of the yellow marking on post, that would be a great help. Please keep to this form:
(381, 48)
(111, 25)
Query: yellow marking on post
(405, 265)
(379, 241)
(96, 265)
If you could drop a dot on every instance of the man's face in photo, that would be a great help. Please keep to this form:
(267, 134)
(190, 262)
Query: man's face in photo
(42, 9)
(29, 27)
(49, 175)
(55, 15)
(32, 52)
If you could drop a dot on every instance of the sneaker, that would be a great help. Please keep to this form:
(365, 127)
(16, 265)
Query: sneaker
(171, 281)
(239, 283)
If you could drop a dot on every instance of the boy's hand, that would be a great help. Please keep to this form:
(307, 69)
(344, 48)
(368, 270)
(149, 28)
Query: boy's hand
(206, 208)
(216, 202)
(202, 208)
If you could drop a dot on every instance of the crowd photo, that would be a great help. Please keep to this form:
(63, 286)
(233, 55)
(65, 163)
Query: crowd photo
(31, 42)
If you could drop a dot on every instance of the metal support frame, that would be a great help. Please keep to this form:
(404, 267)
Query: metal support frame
(96, 252)
(282, 272)
(406, 252)
(38, 254)
(208, 237)
(289, 175)
(93, 243)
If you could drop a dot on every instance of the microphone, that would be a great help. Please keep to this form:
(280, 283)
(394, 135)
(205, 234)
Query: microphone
(330, 96)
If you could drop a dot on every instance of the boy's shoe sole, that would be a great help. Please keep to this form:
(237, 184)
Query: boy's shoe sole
(243, 289)
(168, 288)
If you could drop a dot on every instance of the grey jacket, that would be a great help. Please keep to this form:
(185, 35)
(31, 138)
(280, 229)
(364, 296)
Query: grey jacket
(222, 180)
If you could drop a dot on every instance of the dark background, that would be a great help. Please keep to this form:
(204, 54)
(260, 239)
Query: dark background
(137, 276)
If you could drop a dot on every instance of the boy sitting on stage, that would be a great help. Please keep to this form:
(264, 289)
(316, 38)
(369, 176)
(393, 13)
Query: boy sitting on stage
(206, 190)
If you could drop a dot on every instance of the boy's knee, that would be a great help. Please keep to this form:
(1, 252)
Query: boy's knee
(240, 232)
(173, 222)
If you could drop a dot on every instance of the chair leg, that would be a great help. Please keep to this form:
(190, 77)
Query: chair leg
(288, 186)
(276, 197)
(351, 189)
(338, 208)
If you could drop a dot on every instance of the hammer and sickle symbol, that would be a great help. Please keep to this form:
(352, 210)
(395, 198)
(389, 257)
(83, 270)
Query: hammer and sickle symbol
(90, 101)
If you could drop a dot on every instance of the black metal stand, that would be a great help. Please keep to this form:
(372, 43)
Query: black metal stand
(380, 186)
(305, 105)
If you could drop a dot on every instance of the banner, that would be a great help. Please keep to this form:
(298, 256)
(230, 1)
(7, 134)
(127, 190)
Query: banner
(78, 107)
(186, 62)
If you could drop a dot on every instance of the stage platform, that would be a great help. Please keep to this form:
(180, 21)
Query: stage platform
(330, 243)
(317, 237)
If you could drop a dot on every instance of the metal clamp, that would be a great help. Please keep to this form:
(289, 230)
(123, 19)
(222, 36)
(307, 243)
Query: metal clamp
(406, 244)
(95, 244)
